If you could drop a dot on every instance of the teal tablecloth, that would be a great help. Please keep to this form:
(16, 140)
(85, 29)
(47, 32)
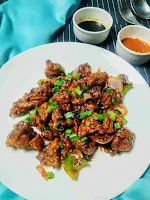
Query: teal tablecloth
(28, 23)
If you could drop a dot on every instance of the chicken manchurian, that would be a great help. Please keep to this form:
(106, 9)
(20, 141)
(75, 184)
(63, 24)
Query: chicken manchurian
(74, 114)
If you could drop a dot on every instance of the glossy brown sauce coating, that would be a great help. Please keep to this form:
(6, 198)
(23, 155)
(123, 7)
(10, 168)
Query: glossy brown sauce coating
(73, 115)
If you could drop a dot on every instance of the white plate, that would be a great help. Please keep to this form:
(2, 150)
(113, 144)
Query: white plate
(107, 176)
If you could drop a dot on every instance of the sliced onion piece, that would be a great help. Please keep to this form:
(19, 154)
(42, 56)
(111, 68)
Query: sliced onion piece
(115, 83)
(120, 107)
(75, 71)
(87, 96)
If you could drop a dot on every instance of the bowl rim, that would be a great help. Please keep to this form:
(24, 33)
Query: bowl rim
(91, 32)
(125, 48)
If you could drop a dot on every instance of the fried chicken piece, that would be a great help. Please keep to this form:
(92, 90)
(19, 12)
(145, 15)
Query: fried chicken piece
(84, 70)
(37, 122)
(66, 107)
(123, 140)
(67, 144)
(75, 100)
(85, 129)
(42, 112)
(35, 98)
(37, 142)
(48, 135)
(61, 97)
(57, 114)
(53, 69)
(50, 155)
(107, 126)
(89, 106)
(96, 94)
(87, 148)
(102, 139)
(98, 78)
(23, 136)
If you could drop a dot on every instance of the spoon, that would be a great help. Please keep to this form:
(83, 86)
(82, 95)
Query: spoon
(126, 12)
(141, 8)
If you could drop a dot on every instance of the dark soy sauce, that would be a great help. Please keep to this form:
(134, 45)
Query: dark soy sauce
(91, 26)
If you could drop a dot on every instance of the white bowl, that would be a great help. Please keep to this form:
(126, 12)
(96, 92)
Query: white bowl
(99, 15)
(133, 31)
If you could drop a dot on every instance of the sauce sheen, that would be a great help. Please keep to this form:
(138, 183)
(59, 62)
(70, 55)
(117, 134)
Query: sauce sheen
(91, 26)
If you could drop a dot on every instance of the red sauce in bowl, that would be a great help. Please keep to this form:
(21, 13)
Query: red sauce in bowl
(136, 45)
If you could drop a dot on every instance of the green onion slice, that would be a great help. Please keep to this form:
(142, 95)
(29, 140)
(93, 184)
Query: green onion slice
(61, 145)
(112, 116)
(109, 89)
(78, 91)
(100, 117)
(124, 119)
(85, 87)
(84, 139)
(88, 123)
(78, 76)
(74, 137)
(68, 132)
(69, 115)
(117, 125)
(69, 91)
(69, 77)
(85, 114)
(50, 175)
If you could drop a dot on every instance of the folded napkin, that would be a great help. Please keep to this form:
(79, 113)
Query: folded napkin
(28, 23)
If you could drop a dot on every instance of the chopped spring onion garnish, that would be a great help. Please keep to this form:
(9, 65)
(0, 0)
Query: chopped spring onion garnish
(85, 87)
(88, 123)
(69, 77)
(109, 89)
(78, 91)
(34, 111)
(69, 161)
(112, 116)
(50, 175)
(113, 101)
(69, 91)
(46, 128)
(52, 107)
(61, 145)
(104, 114)
(119, 112)
(74, 137)
(59, 82)
(50, 101)
(84, 139)
(55, 126)
(78, 76)
(124, 119)
(86, 114)
(68, 132)
(55, 89)
(69, 115)
(100, 116)
(117, 125)
(27, 120)
(127, 87)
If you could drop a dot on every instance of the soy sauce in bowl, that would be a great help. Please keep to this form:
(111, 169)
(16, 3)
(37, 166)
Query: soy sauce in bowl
(93, 26)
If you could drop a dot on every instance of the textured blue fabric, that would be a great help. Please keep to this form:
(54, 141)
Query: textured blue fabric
(28, 23)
